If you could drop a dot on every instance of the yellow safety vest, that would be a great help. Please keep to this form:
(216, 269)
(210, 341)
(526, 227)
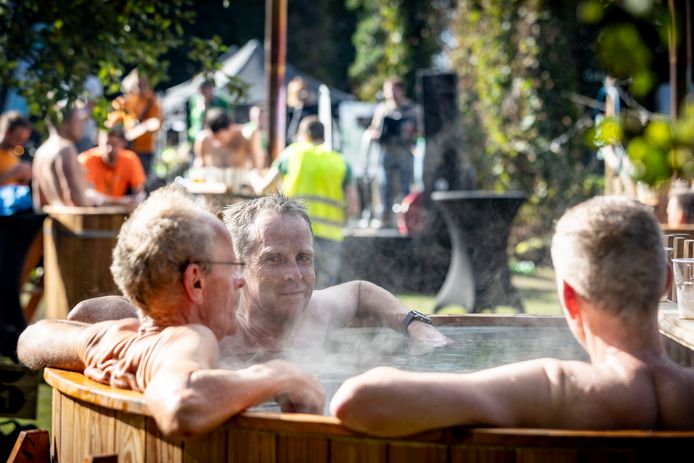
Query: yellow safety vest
(315, 176)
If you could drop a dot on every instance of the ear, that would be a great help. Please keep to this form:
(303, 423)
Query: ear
(194, 284)
(571, 300)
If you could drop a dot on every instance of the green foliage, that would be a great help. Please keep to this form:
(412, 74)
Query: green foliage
(206, 52)
(516, 60)
(49, 48)
(394, 38)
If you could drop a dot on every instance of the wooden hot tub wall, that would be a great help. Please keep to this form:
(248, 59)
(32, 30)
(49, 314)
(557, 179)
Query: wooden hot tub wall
(93, 419)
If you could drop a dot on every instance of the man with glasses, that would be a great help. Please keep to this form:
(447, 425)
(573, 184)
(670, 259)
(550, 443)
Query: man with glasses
(177, 264)
(278, 307)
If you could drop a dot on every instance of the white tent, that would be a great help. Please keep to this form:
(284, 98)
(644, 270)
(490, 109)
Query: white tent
(248, 64)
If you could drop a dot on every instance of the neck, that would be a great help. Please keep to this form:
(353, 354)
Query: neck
(607, 335)
(262, 330)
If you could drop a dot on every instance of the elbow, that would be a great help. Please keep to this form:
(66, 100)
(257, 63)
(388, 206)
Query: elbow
(29, 349)
(181, 416)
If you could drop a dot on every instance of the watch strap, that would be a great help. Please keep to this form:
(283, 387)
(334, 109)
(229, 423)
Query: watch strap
(413, 316)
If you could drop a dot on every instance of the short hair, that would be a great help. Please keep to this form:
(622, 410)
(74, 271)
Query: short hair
(240, 219)
(117, 131)
(684, 200)
(163, 234)
(206, 84)
(217, 119)
(12, 120)
(610, 250)
(312, 128)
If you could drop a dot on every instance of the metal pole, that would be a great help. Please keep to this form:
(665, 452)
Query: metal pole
(275, 55)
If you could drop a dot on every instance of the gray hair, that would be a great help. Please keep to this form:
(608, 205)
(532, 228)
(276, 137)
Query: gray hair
(240, 219)
(164, 233)
(610, 250)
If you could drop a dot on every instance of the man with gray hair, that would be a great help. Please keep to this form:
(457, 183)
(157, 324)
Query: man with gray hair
(278, 307)
(177, 263)
(610, 270)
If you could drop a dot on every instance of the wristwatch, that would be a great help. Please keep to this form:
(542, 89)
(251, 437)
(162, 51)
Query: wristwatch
(412, 316)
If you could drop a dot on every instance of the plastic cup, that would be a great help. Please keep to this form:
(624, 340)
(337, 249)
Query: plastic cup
(684, 282)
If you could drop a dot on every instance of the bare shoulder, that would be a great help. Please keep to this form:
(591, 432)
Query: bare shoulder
(192, 342)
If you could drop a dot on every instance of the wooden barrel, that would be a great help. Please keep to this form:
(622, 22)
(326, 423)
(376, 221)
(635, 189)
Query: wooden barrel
(93, 419)
(78, 242)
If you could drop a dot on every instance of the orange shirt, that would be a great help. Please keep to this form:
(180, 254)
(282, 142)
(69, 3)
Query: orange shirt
(8, 159)
(113, 180)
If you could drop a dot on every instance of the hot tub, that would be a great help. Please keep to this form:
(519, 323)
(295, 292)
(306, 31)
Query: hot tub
(93, 419)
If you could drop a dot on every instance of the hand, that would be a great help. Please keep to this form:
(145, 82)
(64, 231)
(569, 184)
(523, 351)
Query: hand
(299, 392)
(21, 172)
(424, 333)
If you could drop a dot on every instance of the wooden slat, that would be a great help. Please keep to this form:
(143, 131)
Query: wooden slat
(161, 449)
(251, 446)
(56, 413)
(357, 451)
(546, 456)
(302, 449)
(210, 447)
(482, 454)
(413, 453)
(130, 434)
(102, 430)
(67, 430)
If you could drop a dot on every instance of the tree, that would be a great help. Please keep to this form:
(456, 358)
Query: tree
(394, 38)
(517, 60)
(49, 48)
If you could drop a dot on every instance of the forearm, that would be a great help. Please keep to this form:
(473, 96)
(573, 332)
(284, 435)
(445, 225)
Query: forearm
(210, 397)
(390, 402)
(52, 343)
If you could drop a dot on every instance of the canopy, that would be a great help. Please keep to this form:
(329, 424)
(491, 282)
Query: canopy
(248, 64)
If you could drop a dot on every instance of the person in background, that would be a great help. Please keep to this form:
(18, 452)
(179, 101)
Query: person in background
(113, 170)
(15, 131)
(222, 143)
(301, 102)
(255, 130)
(395, 127)
(199, 104)
(279, 308)
(138, 112)
(680, 208)
(323, 180)
(57, 177)
(176, 262)
(611, 270)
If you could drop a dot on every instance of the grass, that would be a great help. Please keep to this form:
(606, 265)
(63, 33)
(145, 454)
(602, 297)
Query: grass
(537, 291)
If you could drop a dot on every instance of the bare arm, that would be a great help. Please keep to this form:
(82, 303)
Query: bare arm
(98, 309)
(55, 343)
(364, 299)
(262, 183)
(72, 180)
(517, 395)
(188, 395)
(20, 172)
(200, 147)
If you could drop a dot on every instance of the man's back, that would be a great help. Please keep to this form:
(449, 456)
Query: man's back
(57, 176)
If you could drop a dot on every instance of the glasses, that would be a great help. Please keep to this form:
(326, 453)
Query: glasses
(237, 268)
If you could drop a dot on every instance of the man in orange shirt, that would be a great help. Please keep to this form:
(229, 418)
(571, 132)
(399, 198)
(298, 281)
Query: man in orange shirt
(138, 108)
(15, 131)
(113, 170)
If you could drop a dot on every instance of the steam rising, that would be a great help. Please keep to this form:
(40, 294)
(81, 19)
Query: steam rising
(351, 351)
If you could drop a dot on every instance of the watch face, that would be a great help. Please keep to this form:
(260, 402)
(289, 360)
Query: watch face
(421, 317)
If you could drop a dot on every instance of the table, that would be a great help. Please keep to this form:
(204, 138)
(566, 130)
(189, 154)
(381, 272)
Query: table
(479, 223)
